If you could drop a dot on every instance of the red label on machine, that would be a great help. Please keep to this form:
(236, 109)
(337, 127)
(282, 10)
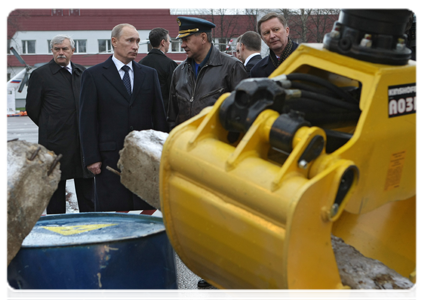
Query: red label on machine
(401, 100)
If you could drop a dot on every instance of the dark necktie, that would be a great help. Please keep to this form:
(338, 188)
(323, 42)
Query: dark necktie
(126, 80)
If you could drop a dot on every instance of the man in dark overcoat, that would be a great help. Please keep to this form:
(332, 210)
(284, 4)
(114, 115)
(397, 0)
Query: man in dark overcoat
(117, 96)
(52, 102)
(273, 29)
(160, 41)
(249, 50)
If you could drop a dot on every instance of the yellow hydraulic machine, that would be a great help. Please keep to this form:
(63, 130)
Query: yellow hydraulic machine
(253, 188)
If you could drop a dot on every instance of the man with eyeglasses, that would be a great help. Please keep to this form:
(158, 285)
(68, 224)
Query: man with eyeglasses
(274, 31)
(237, 47)
(157, 59)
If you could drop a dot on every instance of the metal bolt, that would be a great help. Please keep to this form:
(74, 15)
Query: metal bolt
(13, 140)
(400, 44)
(335, 32)
(334, 209)
(366, 41)
(54, 164)
(113, 170)
(303, 164)
(35, 153)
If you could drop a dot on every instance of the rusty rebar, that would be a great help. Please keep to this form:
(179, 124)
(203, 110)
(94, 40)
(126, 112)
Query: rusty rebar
(54, 164)
(113, 170)
(13, 140)
(35, 153)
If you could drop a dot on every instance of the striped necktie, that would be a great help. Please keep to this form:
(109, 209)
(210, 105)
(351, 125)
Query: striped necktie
(126, 80)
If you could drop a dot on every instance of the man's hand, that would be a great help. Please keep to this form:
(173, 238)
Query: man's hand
(95, 168)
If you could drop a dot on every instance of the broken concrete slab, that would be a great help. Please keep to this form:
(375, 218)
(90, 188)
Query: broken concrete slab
(360, 272)
(139, 163)
(33, 174)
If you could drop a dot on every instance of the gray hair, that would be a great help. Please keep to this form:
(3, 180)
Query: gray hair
(58, 39)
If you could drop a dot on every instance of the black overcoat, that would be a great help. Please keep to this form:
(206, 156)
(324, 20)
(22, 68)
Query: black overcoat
(164, 66)
(265, 66)
(107, 115)
(52, 102)
(251, 63)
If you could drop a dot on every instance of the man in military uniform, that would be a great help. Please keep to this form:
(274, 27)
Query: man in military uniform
(204, 76)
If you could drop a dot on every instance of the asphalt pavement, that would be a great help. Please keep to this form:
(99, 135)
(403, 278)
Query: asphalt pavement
(23, 128)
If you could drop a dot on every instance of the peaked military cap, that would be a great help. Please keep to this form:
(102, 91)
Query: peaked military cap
(190, 25)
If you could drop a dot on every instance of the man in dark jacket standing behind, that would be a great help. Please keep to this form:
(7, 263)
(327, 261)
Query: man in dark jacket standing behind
(52, 103)
(156, 59)
(204, 76)
(274, 31)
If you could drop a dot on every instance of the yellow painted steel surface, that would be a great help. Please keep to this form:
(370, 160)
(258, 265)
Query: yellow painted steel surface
(240, 219)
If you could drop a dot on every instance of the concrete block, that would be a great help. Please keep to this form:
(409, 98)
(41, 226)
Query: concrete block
(139, 164)
(33, 174)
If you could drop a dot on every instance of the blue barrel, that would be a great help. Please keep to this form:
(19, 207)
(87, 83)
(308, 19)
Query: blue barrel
(95, 251)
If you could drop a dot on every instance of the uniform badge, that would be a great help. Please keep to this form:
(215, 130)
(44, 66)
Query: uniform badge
(179, 22)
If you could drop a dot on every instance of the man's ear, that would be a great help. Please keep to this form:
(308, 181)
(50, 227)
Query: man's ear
(162, 43)
(114, 40)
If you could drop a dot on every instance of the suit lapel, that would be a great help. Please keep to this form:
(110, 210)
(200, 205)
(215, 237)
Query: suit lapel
(112, 75)
(139, 77)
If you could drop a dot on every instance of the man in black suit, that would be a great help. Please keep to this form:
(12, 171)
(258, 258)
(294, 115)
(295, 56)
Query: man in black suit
(156, 59)
(52, 102)
(117, 96)
(249, 49)
(274, 31)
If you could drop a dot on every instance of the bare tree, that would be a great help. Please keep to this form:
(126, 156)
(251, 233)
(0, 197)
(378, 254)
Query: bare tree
(322, 21)
(252, 14)
(307, 25)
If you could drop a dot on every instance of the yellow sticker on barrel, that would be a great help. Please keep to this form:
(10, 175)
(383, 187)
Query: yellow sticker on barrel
(71, 230)
(396, 164)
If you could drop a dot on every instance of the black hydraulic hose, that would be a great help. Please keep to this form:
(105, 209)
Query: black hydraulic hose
(306, 87)
(329, 100)
(322, 82)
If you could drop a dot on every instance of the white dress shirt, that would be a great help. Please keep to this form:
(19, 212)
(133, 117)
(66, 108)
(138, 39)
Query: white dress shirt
(68, 67)
(119, 66)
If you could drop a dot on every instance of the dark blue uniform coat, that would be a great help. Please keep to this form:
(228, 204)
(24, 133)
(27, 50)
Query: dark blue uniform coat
(107, 114)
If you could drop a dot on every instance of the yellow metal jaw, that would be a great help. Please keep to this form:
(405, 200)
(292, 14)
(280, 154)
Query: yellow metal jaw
(241, 215)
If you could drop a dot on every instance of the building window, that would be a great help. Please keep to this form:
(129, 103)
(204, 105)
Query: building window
(28, 47)
(74, 12)
(80, 46)
(104, 46)
(48, 46)
(176, 45)
(7, 50)
(57, 11)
